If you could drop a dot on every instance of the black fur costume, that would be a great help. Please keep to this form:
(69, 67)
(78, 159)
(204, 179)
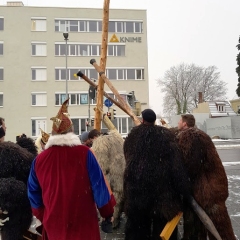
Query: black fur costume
(29, 144)
(15, 164)
(209, 185)
(14, 200)
(154, 178)
(15, 161)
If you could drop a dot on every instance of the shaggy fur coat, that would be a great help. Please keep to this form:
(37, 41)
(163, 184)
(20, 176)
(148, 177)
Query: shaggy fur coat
(154, 180)
(15, 164)
(14, 202)
(15, 161)
(109, 153)
(209, 185)
(29, 144)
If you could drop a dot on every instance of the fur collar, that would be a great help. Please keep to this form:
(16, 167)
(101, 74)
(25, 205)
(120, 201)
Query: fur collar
(69, 139)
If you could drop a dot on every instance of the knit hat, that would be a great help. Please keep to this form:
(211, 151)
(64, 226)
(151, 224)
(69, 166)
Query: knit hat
(149, 115)
(62, 122)
(45, 137)
(84, 137)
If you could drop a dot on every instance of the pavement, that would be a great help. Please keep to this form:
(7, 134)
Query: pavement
(229, 152)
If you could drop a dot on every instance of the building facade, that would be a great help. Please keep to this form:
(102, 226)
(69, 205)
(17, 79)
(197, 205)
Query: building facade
(34, 66)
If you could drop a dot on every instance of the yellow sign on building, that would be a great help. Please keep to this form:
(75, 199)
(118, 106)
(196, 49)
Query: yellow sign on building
(114, 38)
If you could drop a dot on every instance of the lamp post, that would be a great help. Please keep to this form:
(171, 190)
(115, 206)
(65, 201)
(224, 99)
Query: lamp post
(65, 35)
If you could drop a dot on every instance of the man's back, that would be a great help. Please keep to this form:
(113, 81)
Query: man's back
(70, 182)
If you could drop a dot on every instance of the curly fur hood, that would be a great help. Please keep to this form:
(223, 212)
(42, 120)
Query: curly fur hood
(69, 139)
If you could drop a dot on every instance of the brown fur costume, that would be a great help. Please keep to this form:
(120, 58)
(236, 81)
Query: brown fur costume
(153, 181)
(109, 152)
(209, 185)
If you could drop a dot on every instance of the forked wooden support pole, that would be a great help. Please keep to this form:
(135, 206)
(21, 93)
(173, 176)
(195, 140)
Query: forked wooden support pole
(103, 60)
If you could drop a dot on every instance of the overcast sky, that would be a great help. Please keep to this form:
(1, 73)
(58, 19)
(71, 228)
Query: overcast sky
(204, 32)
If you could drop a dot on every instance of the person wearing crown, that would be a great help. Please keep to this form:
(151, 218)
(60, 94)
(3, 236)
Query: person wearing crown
(41, 141)
(66, 184)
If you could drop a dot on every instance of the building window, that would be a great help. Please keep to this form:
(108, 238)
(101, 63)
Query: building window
(75, 99)
(37, 124)
(139, 74)
(39, 99)
(1, 48)
(84, 98)
(119, 27)
(1, 74)
(1, 99)
(123, 124)
(79, 125)
(39, 49)
(111, 26)
(60, 98)
(87, 50)
(1, 24)
(39, 25)
(138, 27)
(82, 26)
(130, 73)
(112, 74)
(73, 26)
(92, 26)
(39, 74)
(221, 108)
(129, 27)
(60, 74)
(96, 26)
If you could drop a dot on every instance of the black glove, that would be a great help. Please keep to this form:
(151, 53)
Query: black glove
(106, 225)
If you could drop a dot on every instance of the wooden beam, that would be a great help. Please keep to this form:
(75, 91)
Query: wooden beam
(103, 60)
(117, 103)
(115, 92)
(170, 226)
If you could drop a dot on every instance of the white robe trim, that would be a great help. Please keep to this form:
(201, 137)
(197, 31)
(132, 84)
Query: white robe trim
(69, 139)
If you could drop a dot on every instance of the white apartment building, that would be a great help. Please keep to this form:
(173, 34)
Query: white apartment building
(33, 64)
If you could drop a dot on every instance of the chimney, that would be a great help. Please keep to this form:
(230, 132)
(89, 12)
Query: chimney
(15, 4)
(200, 97)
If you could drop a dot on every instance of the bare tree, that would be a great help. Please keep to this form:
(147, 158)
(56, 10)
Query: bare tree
(182, 83)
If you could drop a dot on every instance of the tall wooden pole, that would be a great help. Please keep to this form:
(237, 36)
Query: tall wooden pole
(103, 60)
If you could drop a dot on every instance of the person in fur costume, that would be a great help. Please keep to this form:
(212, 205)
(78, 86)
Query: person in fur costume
(15, 161)
(154, 180)
(15, 209)
(109, 152)
(27, 143)
(209, 184)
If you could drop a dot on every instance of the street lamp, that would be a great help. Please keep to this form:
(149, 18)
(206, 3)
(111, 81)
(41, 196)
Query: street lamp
(65, 35)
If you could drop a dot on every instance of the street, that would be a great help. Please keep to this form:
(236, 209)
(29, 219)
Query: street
(229, 152)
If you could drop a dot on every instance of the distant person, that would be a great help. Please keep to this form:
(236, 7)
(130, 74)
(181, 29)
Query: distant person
(41, 141)
(208, 181)
(93, 134)
(66, 184)
(85, 140)
(3, 129)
